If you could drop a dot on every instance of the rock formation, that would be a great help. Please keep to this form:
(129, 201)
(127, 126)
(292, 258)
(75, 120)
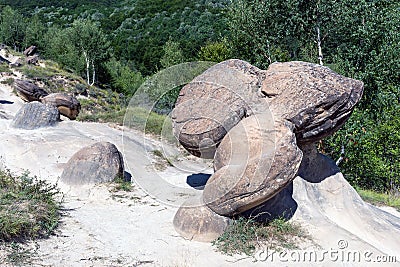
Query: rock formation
(33, 60)
(256, 124)
(68, 106)
(28, 91)
(97, 163)
(30, 51)
(35, 115)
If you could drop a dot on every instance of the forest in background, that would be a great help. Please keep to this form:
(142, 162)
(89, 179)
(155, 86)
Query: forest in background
(117, 44)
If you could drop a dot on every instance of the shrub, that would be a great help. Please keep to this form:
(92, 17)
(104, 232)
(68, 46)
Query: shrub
(28, 207)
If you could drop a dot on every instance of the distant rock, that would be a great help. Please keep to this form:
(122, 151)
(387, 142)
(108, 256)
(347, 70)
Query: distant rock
(97, 163)
(30, 51)
(32, 60)
(35, 115)
(28, 91)
(68, 106)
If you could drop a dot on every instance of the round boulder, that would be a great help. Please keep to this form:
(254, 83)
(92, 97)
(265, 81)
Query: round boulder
(35, 115)
(97, 163)
(195, 221)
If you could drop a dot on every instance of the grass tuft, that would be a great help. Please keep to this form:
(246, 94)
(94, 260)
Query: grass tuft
(245, 235)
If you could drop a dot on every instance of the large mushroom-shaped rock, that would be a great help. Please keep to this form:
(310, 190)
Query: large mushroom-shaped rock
(35, 115)
(252, 121)
(68, 106)
(28, 91)
(97, 163)
(195, 221)
(30, 51)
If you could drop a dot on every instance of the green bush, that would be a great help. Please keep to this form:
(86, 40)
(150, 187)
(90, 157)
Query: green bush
(28, 207)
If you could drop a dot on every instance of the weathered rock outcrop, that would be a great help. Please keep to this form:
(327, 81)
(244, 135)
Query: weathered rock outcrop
(28, 91)
(256, 123)
(30, 51)
(33, 60)
(97, 163)
(36, 115)
(68, 106)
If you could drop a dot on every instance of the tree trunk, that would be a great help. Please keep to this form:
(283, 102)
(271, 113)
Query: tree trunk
(320, 56)
(87, 67)
(93, 74)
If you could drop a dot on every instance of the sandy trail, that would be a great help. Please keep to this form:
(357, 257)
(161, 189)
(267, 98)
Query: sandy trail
(105, 228)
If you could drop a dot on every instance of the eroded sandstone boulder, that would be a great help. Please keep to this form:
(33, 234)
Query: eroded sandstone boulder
(314, 98)
(35, 115)
(254, 161)
(195, 221)
(28, 91)
(68, 105)
(214, 102)
(257, 124)
(97, 163)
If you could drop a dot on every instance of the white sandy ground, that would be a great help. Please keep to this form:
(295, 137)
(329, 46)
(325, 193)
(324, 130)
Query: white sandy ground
(102, 228)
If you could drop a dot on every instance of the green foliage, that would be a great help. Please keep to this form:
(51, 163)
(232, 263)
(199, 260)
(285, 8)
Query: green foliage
(144, 29)
(59, 48)
(121, 185)
(34, 33)
(90, 43)
(123, 78)
(246, 235)
(366, 46)
(143, 120)
(215, 52)
(4, 68)
(12, 27)
(266, 31)
(172, 54)
(29, 208)
(379, 199)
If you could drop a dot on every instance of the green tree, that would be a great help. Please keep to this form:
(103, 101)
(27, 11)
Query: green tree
(90, 43)
(58, 46)
(172, 54)
(123, 78)
(34, 32)
(216, 52)
(12, 27)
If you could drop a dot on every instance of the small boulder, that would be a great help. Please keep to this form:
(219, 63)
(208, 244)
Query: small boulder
(195, 221)
(68, 106)
(33, 60)
(28, 91)
(97, 163)
(30, 51)
(35, 115)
